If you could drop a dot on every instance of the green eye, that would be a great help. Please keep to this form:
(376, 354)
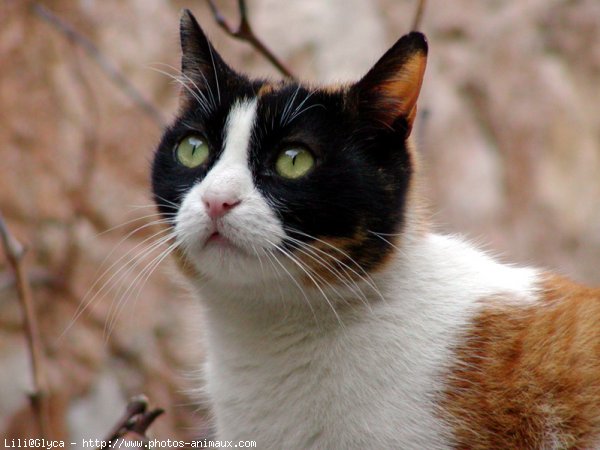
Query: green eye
(294, 162)
(192, 151)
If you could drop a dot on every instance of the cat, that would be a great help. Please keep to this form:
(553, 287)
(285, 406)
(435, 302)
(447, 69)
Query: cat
(335, 318)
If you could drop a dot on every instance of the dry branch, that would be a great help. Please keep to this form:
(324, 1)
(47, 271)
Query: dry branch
(37, 276)
(244, 32)
(416, 24)
(113, 73)
(15, 252)
(134, 423)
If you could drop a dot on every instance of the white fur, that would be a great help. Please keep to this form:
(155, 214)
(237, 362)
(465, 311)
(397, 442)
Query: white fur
(290, 380)
(251, 226)
(294, 367)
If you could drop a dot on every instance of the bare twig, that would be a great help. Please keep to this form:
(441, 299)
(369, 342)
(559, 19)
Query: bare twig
(244, 32)
(418, 15)
(136, 419)
(145, 420)
(15, 252)
(113, 73)
(37, 276)
(136, 405)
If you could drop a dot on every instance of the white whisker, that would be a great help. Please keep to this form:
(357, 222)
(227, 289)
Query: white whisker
(141, 280)
(310, 276)
(113, 282)
(212, 59)
(344, 277)
(391, 244)
(126, 269)
(275, 259)
(88, 298)
(164, 220)
(288, 107)
(365, 276)
(183, 79)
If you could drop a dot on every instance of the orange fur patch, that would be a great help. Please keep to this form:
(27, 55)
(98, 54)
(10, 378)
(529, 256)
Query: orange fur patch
(335, 88)
(528, 376)
(185, 267)
(341, 260)
(398, 95)
(265, 89)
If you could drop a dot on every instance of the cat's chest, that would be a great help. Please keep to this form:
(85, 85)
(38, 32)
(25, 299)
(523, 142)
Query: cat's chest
(365, 386)
(371, 381)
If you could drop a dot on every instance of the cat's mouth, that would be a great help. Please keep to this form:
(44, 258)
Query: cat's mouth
(218, 238)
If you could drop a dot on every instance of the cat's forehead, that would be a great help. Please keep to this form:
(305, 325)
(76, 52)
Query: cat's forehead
(279, 104)
(291, 103)
(285, 87)
(273, 97)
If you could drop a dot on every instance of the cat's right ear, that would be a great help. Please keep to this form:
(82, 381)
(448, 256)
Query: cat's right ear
(388, 93)
(199, 60)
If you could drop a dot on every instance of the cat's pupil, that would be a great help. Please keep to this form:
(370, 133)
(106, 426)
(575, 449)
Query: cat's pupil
(292, 154)
(195, 145)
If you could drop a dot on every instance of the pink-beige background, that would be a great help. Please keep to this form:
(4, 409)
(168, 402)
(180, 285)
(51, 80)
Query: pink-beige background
(509, 133)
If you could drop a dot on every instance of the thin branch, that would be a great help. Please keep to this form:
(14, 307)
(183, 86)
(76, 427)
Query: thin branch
(136, 419)
(15, 252)
(244, 32)
(136, 405)
(144, 421)
(418, 15)
(113, 73)
(37, 276)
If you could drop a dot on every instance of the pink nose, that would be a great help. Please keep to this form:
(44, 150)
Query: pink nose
(217, 205)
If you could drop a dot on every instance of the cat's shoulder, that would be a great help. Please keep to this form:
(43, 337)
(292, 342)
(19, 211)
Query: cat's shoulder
(453, 262)
(456, 266)
(526, 374)
(558, 289)
(452, 273)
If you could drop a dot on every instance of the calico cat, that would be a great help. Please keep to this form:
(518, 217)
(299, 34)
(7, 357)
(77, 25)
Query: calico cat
(334, 317)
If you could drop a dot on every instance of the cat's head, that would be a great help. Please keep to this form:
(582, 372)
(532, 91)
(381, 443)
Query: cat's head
(267, 179)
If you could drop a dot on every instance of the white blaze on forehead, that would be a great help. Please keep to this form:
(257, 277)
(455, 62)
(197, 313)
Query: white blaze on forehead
(231, 173)
(238, 131)
(252, 225)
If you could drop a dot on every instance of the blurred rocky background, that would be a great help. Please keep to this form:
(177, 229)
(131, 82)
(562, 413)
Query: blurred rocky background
(509, 133)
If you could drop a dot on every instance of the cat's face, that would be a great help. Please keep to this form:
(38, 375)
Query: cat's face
(278, 179)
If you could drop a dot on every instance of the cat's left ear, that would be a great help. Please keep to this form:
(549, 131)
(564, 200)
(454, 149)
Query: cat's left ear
(388, 92)
(200, 62)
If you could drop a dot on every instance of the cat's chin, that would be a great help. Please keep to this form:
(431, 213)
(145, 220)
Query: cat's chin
(224, 262)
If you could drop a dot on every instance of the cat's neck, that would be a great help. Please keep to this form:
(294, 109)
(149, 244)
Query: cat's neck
(291, 300)
(427, 272)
